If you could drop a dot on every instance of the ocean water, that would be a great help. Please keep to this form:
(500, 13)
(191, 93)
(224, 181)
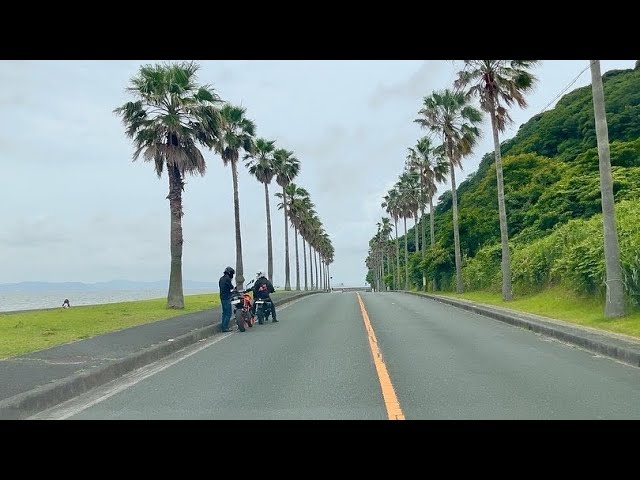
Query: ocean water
(12, 301)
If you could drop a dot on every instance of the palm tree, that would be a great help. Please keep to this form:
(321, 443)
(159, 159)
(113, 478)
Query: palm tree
(406, 188)
(286, 167)
(315, 226)
(439, 175)
(318, 239)
(448, 114)
(305, 228)
(329, 258)
(391, 204)
(293, 201)
(324, 247)
(498, 84)
(418, 162)
(172, 114)
(431, 168)
(261, 167)
(237, 134)
(385, 233)
(614, 304)
(376, 246)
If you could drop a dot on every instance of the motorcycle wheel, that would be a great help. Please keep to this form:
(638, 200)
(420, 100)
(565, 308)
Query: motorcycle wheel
(240, 321)
(260, 316)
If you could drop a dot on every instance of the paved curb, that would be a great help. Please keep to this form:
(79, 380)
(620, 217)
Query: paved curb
(41, 398)
(619, 347)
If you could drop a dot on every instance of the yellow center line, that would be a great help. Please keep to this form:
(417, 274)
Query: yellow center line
(391, 402)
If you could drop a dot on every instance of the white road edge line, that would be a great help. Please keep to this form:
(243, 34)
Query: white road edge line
(76, 405)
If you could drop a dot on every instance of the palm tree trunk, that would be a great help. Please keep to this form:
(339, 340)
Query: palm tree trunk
(326, 270)
(456, 233)
(614, 301)
(269, 242)
(295, 234)
(397, 257)
(175, 296)
(287, 273)
(504, 232)
(406, 256)
(424, 247)
(315, 259)
(311, 267)
(304, 257)
(432, 229)
(236, 207)
(432, 232)
(382, 283)
(415, 230)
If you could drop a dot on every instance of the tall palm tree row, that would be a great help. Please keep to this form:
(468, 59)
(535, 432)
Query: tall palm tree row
(293, 200)
(296, 201)
(391, 203)
(427, 162)
(409, 206)
(305, 220)
(381, 249)
(287, 168)
(171, 118)
(449, 115)
(385, 236)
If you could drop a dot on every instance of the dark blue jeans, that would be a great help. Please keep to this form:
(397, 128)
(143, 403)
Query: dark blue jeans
(226, 313)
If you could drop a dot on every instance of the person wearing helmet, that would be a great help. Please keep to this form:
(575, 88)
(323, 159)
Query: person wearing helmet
(226, 287)
(262, 288)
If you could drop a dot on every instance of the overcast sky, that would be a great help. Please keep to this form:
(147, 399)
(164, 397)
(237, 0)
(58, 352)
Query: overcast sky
(76, 208)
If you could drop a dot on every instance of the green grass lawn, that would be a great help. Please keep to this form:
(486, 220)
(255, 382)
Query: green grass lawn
(36, 330)
(561, 304)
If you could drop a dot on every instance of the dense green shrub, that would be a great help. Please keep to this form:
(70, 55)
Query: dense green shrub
(573, 254)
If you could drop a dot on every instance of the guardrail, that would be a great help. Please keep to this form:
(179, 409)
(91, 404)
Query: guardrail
(351, 289)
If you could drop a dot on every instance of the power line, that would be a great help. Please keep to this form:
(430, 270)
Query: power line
(567, 87)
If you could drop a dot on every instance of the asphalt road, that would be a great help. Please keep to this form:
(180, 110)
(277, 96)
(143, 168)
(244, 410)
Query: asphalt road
(403, 357)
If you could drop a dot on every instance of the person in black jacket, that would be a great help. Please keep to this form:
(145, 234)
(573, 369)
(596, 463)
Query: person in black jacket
(261, 291)
(226, 287)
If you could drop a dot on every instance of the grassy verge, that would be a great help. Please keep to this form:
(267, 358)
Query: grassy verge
(36, 330)
(561, 304)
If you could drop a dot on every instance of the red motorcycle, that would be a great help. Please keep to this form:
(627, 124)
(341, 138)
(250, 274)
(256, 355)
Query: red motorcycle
(241, 304)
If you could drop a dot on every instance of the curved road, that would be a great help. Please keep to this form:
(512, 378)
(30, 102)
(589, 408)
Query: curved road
(393, 356)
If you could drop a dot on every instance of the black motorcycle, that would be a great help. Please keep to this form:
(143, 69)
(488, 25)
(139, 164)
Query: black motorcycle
(263, 308)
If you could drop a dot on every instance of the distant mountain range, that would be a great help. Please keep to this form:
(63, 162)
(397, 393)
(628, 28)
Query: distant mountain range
(111, 285)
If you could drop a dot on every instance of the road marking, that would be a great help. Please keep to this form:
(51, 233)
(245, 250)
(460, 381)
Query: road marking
(391, 402)
(76, 405)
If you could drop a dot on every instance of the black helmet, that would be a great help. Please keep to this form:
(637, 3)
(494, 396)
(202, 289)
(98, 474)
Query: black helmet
(230, 271)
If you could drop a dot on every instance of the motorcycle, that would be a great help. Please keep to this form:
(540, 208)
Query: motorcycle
(241, 304)
(262, 310)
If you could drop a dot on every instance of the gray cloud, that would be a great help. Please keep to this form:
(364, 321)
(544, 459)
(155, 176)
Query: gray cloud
(425, 79)
(33, 233)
